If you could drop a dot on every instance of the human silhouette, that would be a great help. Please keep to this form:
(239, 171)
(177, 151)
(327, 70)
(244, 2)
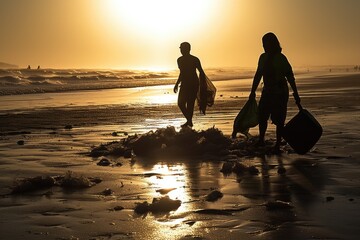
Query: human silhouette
(276, 71)
(189, 82)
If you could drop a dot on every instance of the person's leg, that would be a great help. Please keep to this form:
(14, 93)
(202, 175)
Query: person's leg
(190, 109)
(279, 119)
(262, 131)
(264, 115)
(279, 129)
(182, 104)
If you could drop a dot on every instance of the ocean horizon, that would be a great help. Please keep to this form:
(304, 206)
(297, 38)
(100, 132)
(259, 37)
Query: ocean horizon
(29, 81)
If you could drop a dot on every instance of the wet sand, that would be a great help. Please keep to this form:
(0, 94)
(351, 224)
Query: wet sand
(321, 186)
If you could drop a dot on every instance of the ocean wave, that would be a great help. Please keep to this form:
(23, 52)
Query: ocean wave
(20, 81)
(12, 81)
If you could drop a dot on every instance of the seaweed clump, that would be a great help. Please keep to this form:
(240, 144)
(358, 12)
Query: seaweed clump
(168, 141)
(158, 205)
(67, 181)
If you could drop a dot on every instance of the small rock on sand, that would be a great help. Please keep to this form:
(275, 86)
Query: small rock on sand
(159, 205)
(227, 167)
(253, 170)
(104, 162)
(214, 196)
(330, 198)
(278, 205)
(107, 192)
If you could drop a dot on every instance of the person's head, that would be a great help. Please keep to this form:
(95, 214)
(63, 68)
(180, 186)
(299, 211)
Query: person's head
(271, 43)
(185, 48)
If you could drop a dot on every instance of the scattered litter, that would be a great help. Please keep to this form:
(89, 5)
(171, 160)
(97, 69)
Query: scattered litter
(107, 192)
(278, 205)
(69, 180)
(330, 198)
(227, 211)
(118, 208)
(33, 184)
(227, 167)
(104, 162)
(281, 170)
(158, 205)
(239, 168)
(253, 170)
(214, 211)
(185, 142)
(214, 196)
(128, 153)
(142, 208)
(165, 190)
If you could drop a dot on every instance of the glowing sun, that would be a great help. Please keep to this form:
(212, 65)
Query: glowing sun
(161, 17)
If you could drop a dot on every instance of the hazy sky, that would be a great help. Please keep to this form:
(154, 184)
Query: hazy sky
(136, 34)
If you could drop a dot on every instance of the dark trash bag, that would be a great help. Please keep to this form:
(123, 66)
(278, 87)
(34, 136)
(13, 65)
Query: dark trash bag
(302, 132)
(246, 118)
(206, 93)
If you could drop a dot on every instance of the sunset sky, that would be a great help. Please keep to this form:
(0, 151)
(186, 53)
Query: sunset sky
(145, 34)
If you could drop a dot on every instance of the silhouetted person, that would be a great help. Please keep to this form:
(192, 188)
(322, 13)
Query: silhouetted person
(189, 80)
(276, 71)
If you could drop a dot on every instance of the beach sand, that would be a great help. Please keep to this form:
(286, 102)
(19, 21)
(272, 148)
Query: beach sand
(322, 186)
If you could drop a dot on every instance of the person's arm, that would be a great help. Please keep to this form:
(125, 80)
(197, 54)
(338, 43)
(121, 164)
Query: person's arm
(176, 87)
(292, 83)
(291, 79)
(177, 84)
(257, 78)
(200, 69)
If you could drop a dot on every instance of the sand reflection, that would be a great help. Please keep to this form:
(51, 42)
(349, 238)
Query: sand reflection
(171, 181)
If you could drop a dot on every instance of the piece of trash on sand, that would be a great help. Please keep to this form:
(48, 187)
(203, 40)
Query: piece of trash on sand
(107, 192)
(118, 208)
(227, 167)
(227, 211)
(281, 170)
(214, 196)
(165, 190)
(158, 205)
(104, 162)
(239, 168)
(277, 205)
(70, 180)
(330, 198)
(33, 184)
(253, 170)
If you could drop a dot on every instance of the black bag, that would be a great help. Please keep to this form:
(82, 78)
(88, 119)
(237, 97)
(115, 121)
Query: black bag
(246, 118)
(302, 132)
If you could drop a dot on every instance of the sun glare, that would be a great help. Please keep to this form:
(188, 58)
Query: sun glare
(160, 17)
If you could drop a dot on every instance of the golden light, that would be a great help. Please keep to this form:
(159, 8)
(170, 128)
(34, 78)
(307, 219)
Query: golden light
(171, 177)
(159, 18)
